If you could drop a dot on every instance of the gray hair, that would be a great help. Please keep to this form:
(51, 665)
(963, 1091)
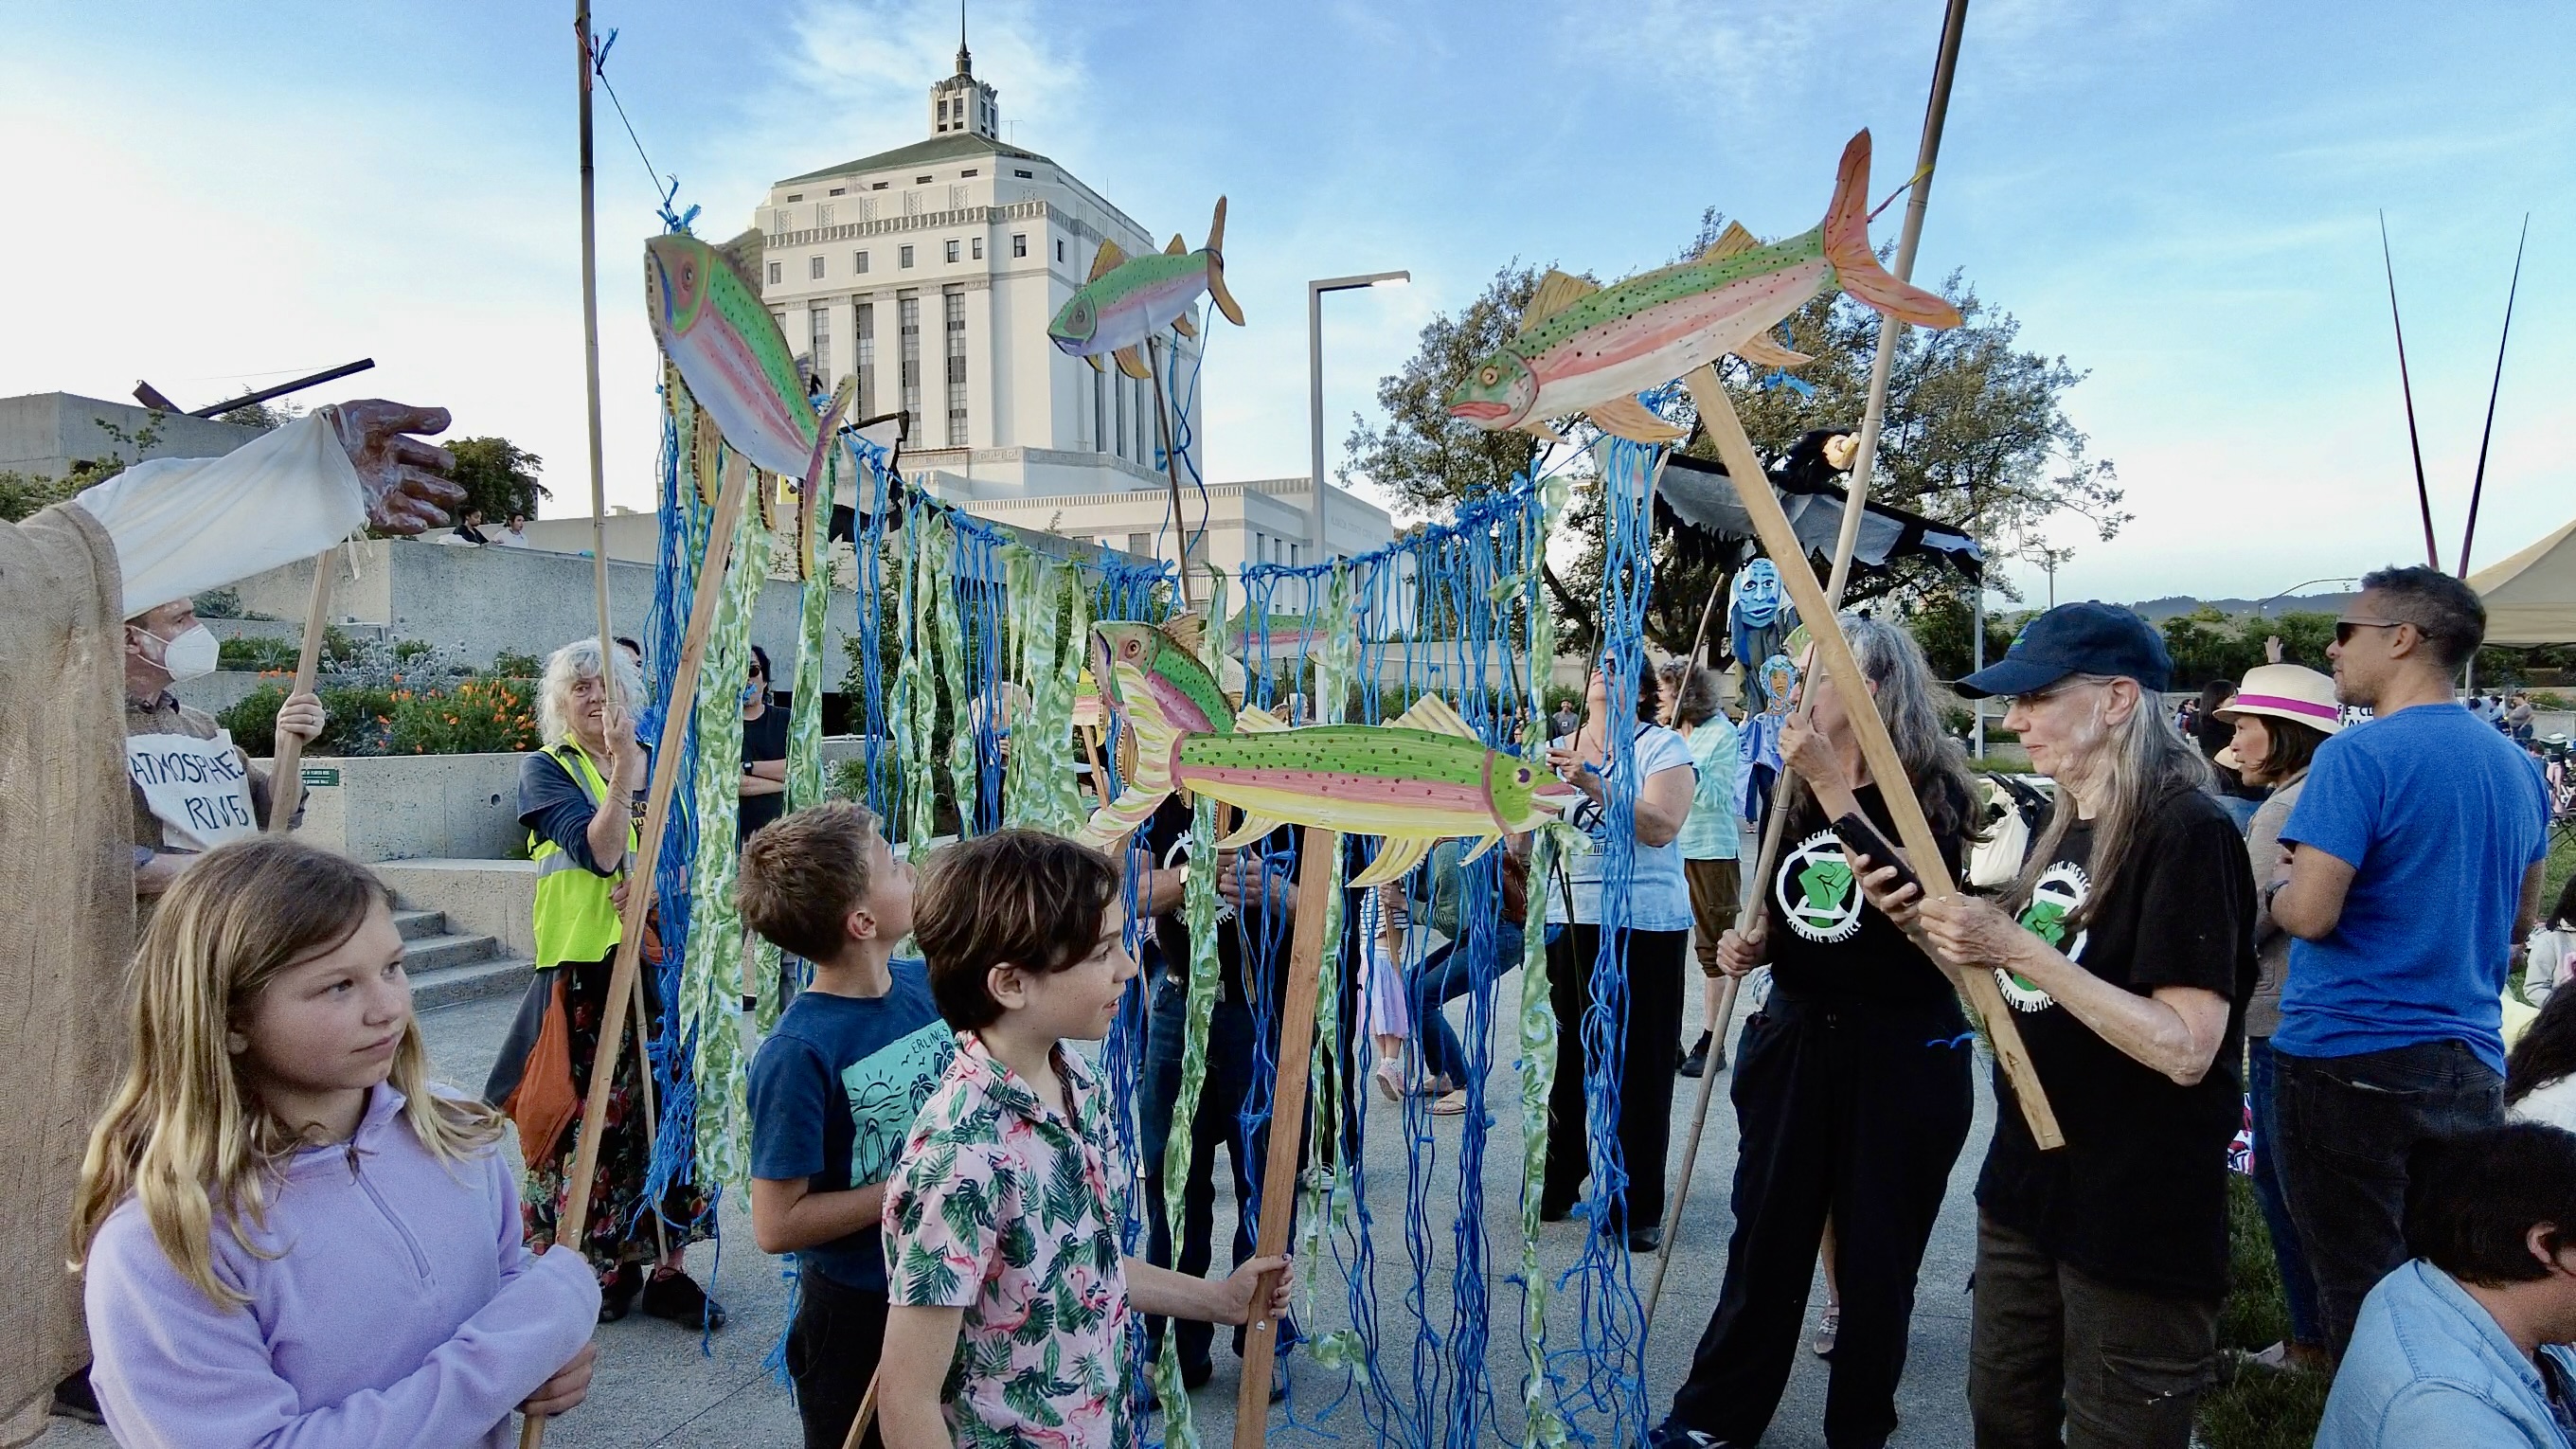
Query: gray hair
(2135, 766)
(575, 661)
(1901, 679)
(2446, 611)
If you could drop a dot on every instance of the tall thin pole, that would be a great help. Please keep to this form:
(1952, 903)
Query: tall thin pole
(1977, 652)
(1171, 464)
(2414, 440)
(1315, 416)
(1935, 114)
(2478, 486)
(590, 358)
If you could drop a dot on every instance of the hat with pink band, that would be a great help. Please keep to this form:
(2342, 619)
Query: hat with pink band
(2287, 691)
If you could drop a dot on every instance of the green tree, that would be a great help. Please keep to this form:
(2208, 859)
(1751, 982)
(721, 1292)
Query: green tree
(24, 494)
(1975, 436)
(498, 476)
(1943, 624)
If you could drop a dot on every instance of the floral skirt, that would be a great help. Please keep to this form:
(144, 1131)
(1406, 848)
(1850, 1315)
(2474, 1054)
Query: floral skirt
(616, 1230)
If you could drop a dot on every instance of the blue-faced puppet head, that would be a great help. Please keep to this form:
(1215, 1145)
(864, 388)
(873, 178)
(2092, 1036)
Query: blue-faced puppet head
(1779, 681)
(1757, 594)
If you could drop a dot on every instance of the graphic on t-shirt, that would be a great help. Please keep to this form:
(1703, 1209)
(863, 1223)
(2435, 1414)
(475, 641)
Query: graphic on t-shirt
(2061, 892)
(1818, 895)
(886, 1089)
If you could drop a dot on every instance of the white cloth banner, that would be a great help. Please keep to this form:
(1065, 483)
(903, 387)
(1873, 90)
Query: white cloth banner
(198, 789)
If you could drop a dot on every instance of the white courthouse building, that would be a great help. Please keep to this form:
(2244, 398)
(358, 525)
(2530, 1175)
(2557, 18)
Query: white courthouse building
(930, 272)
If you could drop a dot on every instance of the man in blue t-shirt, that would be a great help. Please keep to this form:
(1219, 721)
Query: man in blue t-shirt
(2416, 864)
(834, 1090)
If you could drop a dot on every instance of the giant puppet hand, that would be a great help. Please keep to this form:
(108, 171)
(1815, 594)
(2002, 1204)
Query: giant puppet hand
(403, 478)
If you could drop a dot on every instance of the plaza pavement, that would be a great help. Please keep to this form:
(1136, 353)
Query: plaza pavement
(657, 1386)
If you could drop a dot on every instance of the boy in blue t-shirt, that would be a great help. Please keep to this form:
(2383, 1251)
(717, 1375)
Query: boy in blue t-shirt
(834, 1090)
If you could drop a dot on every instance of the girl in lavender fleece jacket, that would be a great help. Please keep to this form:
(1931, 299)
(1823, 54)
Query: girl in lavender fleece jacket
(289, 1238)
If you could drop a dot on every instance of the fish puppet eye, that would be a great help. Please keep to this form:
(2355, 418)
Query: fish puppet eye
(1521, 776)
(1489, 375)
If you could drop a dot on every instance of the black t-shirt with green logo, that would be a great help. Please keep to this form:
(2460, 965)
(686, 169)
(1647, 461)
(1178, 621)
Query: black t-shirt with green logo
(2138, 1195)
(1827, 943)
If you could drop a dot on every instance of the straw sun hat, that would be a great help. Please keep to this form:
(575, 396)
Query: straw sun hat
(2282, 691)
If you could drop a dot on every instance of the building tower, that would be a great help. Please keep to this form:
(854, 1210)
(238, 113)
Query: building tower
(962, 104)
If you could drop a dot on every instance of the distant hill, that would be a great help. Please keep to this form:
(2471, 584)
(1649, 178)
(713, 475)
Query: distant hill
(2156, 611)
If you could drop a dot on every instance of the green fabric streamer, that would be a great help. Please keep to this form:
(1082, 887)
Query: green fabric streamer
(917, 709)
(1325, 1198)
(1038, 788)
(949, 640)
(805, 721)
(1198, 900)
(1545, 1427)
(711, 979)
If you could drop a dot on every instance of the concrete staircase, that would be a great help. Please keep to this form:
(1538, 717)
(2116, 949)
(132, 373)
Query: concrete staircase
(448, 967)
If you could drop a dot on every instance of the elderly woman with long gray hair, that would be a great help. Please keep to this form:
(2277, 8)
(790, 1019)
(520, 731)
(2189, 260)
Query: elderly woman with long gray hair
(1853, 1091)
(2125, 950)
(577, 799)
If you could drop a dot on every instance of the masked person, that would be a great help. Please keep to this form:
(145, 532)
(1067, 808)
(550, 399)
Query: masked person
(194, 788)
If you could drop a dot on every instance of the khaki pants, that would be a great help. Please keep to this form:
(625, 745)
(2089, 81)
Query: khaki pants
(2051, 1346)
(1716, 888)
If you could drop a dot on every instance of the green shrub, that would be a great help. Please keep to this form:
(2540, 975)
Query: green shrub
(258, 653)
(223, 603)
(408, 652)
(477, 717)
(2548, 699)
(511, 664)
(355, 722)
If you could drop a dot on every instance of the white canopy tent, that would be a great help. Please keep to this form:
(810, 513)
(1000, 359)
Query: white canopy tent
(2531, 597)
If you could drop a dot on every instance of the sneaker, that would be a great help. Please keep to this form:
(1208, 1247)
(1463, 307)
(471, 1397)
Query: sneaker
(617, 1291)
(1668, 1435)
(1828, 1327)
(1390, 1079)
(1697, 1061)
(75, 1399)
(677, 1297)
(1645, 1238)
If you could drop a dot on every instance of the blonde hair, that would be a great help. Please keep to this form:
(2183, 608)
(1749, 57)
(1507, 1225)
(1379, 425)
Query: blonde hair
(577, 661)
(186, 1133)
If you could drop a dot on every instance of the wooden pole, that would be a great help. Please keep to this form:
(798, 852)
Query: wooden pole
(590, 357)
(1171, 464)
(657, 812)
(286, 757)
(1834, 653)
(1287, 1127)
(867, 1413)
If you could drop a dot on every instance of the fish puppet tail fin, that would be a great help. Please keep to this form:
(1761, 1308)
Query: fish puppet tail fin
(1157, 744)
(827, 429)
(1216, 268)
(1855, 263)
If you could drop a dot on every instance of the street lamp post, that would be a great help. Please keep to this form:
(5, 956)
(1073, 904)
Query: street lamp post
(1315, 291)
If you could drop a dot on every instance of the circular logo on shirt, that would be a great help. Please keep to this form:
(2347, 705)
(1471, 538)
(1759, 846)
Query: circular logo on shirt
(1817, 893)
(2061, 892)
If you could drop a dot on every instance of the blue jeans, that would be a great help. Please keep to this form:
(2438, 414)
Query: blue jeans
(2298, 1285)
(1445, 975)
(1217, 1124)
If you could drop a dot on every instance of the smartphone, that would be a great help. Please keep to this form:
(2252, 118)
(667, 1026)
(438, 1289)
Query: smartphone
(1863, 839)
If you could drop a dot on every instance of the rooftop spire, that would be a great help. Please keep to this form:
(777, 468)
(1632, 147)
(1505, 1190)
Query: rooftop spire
(965, 58)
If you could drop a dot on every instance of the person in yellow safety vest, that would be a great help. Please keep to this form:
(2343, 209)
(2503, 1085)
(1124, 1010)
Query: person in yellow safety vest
(577, 796)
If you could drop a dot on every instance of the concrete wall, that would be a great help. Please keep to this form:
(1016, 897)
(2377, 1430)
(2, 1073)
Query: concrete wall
(495, 898)
(46, 433)
(480, 601)
(397, 807)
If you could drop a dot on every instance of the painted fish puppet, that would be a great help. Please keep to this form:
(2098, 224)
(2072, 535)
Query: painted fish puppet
(706, 312)
(1585, 348)
(1129, 299)
(1420, 780)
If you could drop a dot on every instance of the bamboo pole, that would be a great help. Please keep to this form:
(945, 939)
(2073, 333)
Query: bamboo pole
(1322, 849)
(1833, 653)
(286, 757)
(867, 1412)
(1171, 464)
(657, 811)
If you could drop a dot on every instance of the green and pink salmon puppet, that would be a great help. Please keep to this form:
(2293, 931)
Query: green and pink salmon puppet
(707, 314)
(1420, 780)
(1129, 299)
(1589, 349)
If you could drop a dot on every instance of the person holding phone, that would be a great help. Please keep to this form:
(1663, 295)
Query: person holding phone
(1852, 1087)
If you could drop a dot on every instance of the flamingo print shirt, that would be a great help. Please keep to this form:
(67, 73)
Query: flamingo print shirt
(1010, 1212)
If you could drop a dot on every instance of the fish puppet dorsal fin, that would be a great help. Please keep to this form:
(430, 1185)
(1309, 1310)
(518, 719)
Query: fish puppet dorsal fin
(1250, 832)
(1396, 857)
(1131, 361)
(1432, 715)
(1626, 417)
(743, 255)
(1186, 631)
(1183, 325)
(1734, 241)
(1761, 351)
(1178, 248)
(1105, 261)
(1252, 719)
(1556, 292)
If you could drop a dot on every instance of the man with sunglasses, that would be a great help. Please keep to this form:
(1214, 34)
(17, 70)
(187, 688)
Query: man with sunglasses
(2416, 859)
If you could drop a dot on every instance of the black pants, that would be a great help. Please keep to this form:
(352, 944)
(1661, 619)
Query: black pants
(832, 1351)
(1860, 1114)
(2347, 1125)
(2058, 1357)
(1216, 1125)
(1652, 1034)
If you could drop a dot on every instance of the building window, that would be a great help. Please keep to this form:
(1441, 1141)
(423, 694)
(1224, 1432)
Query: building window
(814, 269)
(866, 402)
(777, 272)
(921, 181)
(1099, 432)
(903, 256)
(973, 172)
(975, 248)
(1025, 175)
(862, 263)
(1118, 401)
(837, 190)
(876, 186)
(1059, 249)
(1141, 544)
(796, 196)
(1019, 244)
(954, 303)
(819, 334)
(908, 321)
(952, 249)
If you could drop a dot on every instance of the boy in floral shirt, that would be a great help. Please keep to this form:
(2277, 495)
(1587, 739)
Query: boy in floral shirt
(1010, 1298)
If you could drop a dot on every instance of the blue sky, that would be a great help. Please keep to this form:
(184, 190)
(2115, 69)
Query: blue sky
(2177, 196)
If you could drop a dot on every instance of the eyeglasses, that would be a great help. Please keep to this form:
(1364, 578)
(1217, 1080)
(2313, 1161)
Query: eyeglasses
(2344, 627)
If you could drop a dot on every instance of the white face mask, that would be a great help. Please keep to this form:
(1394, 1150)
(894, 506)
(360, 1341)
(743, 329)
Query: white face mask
(192, 655)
